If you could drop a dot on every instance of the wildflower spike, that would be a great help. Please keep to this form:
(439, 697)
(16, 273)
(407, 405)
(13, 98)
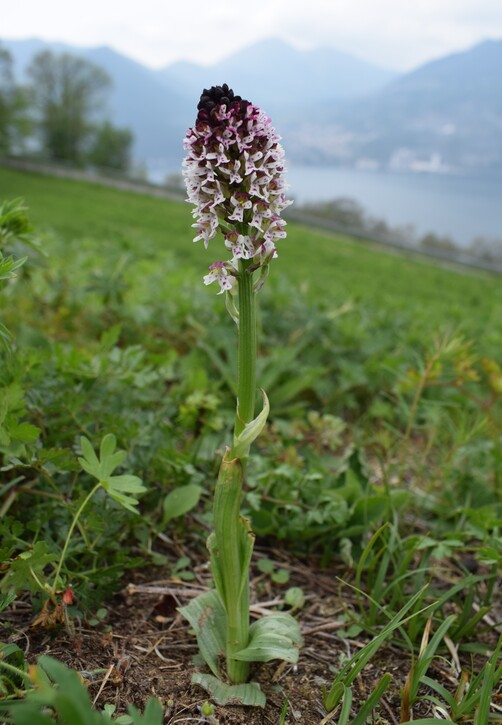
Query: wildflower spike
(234, 175)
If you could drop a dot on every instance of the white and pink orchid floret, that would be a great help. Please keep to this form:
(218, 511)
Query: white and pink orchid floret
(234, 176)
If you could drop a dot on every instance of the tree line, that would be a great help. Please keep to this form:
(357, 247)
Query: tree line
(59, 113)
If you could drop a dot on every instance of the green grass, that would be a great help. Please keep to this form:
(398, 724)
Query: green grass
(325, 267)
(382, 448)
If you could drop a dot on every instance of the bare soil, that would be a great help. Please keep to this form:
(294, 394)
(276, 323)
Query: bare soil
(145, 648)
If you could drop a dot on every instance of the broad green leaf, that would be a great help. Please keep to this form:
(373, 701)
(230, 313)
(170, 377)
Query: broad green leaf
(180, 501)
(276, 636)
(207, 616)
(248, 694)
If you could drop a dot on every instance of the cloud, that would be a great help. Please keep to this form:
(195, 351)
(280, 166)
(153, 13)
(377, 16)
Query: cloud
(394, 33)
(389, 32)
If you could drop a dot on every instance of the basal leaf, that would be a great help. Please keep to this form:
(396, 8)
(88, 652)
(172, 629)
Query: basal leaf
(276, 636)
(247, 694)
(207, 616)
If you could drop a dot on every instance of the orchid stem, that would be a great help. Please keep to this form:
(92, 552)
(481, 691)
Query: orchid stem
(233, 537)
(246, 365)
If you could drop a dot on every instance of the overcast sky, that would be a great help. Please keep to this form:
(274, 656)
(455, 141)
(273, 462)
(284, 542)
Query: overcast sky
(391, 33)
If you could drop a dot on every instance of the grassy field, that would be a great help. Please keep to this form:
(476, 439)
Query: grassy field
(323, 266)
(379, 468)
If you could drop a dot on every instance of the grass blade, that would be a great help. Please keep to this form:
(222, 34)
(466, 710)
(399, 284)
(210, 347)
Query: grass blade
(372, 700)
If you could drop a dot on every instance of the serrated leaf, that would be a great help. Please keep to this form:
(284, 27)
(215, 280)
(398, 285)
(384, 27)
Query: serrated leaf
(247, 694)
(116, 486)
(180, 501)
(276, 636)
(19, 575)
(25, 432)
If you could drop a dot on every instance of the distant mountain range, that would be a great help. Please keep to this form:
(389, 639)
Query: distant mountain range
(330, 107)
(446, 116)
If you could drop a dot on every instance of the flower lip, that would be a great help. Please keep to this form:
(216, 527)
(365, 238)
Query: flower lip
(218, 96)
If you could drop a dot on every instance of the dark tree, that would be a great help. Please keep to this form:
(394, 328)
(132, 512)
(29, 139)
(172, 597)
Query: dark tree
(14, 124)
(68, 95)
(111, 147)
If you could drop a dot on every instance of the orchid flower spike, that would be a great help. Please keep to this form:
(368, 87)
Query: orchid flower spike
(234, 176)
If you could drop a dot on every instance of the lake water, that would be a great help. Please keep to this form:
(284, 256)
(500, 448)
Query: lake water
(459, 207)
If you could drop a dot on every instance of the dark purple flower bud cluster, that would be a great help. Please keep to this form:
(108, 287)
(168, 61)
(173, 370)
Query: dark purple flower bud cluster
(234, 175)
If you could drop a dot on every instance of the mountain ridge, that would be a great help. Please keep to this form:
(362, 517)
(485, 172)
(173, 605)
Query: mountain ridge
(331, 108)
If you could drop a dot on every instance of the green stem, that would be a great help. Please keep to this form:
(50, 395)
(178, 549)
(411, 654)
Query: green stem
(234, 540)
(70, 532)
(246, 361)
(234, 547)
(15, 670)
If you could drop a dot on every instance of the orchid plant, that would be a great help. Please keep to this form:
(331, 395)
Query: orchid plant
(234, 175)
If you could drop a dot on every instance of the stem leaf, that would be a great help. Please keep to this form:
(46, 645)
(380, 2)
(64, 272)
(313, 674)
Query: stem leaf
(251, 431)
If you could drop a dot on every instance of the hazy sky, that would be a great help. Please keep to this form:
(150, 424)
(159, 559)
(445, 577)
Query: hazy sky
(398, 34)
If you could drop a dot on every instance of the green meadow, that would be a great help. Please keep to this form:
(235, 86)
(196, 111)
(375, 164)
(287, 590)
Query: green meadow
(328, 268)
(381, 460)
